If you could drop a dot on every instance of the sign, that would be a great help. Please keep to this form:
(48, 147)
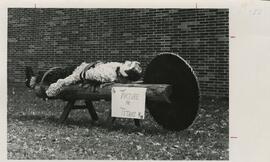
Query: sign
(128, 102)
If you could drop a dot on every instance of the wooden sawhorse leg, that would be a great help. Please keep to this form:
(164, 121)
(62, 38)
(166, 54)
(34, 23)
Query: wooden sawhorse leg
(137, 122)
(66, 111)
(71, 105)
(91, 110)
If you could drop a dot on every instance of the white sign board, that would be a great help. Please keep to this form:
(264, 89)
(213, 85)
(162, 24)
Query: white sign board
(128, 102)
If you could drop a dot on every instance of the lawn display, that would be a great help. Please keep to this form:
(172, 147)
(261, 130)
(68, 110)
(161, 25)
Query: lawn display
(172, 95)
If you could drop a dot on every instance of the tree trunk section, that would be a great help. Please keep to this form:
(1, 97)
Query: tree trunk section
(154, 92)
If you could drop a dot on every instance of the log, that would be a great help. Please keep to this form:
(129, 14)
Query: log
(154, 92)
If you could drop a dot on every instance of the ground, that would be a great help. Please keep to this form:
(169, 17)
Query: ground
(34, 133)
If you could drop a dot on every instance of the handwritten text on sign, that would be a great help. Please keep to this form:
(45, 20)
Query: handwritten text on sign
(128, 102)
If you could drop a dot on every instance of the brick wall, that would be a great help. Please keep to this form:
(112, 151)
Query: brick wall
(44, 38)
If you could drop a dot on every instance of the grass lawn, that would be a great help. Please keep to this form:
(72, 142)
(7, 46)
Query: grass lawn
(33, 133)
